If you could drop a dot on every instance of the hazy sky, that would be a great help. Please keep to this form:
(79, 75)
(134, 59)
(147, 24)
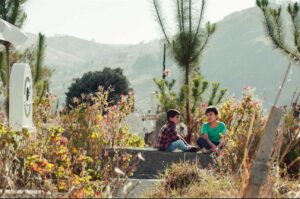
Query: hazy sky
(111, 21)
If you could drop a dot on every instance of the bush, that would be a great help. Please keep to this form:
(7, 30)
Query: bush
(245, 122)
(89, 83)
(289, 140)
(69, 157)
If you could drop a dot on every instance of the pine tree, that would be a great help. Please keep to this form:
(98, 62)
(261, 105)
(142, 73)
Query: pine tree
(274, 21)
(13, 12)
(187, 43)
(200, 93)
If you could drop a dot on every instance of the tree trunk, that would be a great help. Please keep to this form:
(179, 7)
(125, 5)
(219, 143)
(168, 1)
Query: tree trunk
(7, 45)
(187, 104)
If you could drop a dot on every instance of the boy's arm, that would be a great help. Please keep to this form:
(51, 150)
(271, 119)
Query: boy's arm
(182, 139)
(222, 141)
(222, 135)
(204, 135)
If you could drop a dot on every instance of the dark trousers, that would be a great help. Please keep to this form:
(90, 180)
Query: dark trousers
(202, 143)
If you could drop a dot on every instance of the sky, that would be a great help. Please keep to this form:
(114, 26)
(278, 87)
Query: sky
(112, 21)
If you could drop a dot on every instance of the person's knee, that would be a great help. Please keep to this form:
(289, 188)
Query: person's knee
(201, 141)
(181, 145)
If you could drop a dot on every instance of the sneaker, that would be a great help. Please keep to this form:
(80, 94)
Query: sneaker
(194, 149)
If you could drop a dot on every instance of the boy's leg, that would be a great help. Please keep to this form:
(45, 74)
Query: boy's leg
(202, 143)
(179, 144)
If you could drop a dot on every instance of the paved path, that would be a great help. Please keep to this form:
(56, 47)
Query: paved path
(140, 186)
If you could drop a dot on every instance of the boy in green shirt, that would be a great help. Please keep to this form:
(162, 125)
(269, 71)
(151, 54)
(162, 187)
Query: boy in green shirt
(212, 131)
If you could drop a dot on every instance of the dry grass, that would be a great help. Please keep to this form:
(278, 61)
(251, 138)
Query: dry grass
(189, 181)
(186, 180)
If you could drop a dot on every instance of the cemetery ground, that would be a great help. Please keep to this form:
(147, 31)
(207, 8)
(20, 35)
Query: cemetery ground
(74, 153)
(85, 150)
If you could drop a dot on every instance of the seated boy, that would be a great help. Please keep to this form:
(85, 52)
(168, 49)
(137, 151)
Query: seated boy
(211, 131)
(168, 138)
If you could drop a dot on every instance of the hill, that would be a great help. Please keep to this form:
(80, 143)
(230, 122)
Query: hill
(238, 54)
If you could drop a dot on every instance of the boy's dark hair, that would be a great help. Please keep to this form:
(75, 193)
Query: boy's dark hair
(212, 109)
(172, 113)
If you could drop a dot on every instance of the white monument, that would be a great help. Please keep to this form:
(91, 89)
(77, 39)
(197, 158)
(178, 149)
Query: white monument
(20, 98)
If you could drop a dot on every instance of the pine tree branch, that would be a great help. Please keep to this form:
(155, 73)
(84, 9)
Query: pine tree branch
(200, 20)
(179, 16)
(182, 16)
(221, 96)
(270, 32)
(4, 10)
(204, 87)
(293, 12)
(209, 31)
(296, 34)
(157, 10)
(15, 11)
(215, 88)
(3, 69)
(39, 58)
(190, 20)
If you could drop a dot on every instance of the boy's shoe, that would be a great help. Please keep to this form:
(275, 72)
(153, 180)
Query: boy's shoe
(194, 149)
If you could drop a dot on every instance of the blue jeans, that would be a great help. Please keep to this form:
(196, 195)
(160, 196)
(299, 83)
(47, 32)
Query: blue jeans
(178, 144)
(202, 143)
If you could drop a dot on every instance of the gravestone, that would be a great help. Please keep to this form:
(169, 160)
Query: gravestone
(152, 137)
(20, 98)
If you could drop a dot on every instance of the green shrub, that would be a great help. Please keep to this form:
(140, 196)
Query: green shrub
(109, 79)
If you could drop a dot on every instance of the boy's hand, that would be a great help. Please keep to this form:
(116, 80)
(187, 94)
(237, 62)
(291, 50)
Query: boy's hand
(214, 149)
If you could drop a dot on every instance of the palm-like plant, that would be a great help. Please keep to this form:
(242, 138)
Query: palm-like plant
(11, 11)
(277, 32)
(34, 56)
(188, 42)
(41, 74)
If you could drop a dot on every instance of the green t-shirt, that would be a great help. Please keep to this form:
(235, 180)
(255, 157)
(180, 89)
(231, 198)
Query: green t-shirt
(214, 133)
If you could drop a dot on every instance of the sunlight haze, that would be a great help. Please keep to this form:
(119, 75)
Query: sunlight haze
(111, 21)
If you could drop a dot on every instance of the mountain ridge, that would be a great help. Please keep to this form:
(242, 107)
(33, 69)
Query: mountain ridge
(238, 54)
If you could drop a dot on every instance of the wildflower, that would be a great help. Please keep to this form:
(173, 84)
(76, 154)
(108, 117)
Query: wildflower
(97, 193)
(167, 72)
(43, 163)
(64, 141)
(50, 167)
(203, 105)
(53, 97)
(93, 136)
(247, 88)
(80, 158)
(35, 167)
(255, 103)
(61, 185)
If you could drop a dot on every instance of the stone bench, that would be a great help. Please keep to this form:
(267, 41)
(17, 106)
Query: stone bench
(157, 161)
